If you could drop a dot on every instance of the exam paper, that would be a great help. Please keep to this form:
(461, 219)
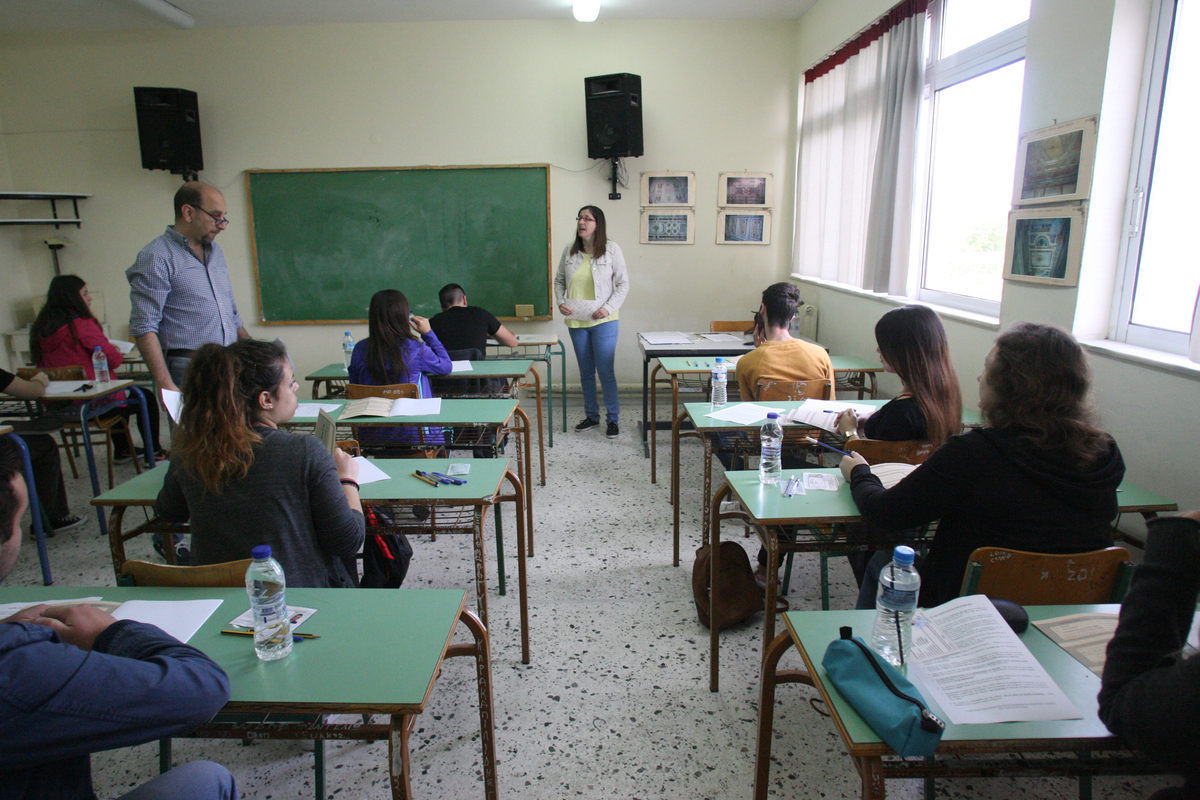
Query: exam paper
(124, 346)
(311, 409)
(970, 663)
(65, 387)
(822, 481)
(722, 337)
(296, 614)
(1084, 636)
(666, 337)
(173, 400)
(417, 406)
(743, 413)
(582, 309)
(368, 472)
(180, 618)
(823, 414)
(461, 366)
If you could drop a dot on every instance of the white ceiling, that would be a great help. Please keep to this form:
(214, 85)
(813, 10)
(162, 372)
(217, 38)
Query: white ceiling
(19, 16)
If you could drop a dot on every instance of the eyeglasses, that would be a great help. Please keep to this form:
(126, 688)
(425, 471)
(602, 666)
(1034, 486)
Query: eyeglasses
(581, 219)
(222, 221)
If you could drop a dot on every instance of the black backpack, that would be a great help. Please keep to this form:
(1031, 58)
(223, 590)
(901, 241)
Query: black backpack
(385, 556)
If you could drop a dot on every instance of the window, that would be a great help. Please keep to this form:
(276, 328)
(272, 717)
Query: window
(971, 124)
(1160, 270)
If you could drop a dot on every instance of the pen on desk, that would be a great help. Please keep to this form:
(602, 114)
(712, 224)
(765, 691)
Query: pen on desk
(433, 476)
(296, 637)
(448, 478)
(87, 387)
(789, 487)
(826, 446)
(422, 477)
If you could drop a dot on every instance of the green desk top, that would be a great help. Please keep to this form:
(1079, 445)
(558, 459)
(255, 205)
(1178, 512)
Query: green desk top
(768, 506)
(1134, 498)
(455, 411)
(814, 630)
(379, 648)
(483, 483)
(492, 368)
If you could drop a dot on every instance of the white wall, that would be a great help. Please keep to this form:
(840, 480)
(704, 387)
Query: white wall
(1095, 69)
(718, 96)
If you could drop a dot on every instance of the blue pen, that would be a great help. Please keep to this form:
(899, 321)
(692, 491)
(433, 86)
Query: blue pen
(826, 446)
(433, 477)
(449, 478)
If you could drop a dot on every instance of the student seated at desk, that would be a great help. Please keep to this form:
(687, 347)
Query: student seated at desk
(243, 482)
(43, 453)
(780, 357)
(393, 353)
(911, 343)
(466, 327)
(1150, 694)
(75, 680)
(1041, 476)
(65, 334)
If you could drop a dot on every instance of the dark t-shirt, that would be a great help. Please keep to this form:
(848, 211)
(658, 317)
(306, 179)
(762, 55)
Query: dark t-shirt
(464, 327)
(899, 420)
(6, 378)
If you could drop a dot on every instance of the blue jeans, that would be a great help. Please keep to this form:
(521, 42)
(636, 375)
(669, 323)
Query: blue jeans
(199, 780)
(596, 350)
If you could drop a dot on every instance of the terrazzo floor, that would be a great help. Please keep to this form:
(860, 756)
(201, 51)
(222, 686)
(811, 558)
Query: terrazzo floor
(615, 701)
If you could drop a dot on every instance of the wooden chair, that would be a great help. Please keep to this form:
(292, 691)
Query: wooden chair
(879, 451)
(792, 390)
(229, 573)
(102, 431)
(1098, 576)
(731, 326)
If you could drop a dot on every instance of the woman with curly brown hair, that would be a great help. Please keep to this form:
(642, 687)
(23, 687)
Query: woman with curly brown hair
(243, 482)
(1040, 476)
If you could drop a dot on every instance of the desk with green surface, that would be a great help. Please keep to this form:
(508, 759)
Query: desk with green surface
(380, 651)
(450, 509)
(461, 417)
(965, 750)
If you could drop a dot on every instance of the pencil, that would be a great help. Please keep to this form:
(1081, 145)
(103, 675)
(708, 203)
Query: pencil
(421, 477)
(295, 636)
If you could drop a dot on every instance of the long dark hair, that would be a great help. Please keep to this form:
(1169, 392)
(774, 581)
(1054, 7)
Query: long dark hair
(599, 239)
(63, 304)
(1037, 380)
(216, 436)
(912, 341)
(388, 327)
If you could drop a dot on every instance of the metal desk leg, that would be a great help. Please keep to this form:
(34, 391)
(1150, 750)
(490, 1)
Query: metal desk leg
(714, 557)
(772, 676)
(645, 401)
(481, 651)
(35, 509)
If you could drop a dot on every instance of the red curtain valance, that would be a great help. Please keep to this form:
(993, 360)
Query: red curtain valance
(879, 27)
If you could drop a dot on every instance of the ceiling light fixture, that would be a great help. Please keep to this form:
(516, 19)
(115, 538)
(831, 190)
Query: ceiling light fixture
(586, 10)
(164, 10)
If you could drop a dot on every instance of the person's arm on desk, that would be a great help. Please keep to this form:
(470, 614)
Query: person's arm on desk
(505, 337)
(30, 389)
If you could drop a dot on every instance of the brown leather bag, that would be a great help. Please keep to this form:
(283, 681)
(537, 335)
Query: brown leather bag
(739, 596)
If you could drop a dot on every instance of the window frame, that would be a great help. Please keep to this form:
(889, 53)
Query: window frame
(1141, 174)
(999, 50)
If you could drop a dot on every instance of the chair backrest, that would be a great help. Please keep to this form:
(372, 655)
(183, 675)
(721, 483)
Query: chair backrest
(354, 391)
(792, 390)
(350, 446)
(72, 373)
(146, 573)
(1098, 576)
(731, 326)
(879, 451)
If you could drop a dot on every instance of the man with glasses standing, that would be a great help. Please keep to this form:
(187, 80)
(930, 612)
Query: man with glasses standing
(179, 290)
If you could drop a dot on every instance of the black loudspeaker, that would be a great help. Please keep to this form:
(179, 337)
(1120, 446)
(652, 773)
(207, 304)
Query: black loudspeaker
(614, 115)
(169, 129)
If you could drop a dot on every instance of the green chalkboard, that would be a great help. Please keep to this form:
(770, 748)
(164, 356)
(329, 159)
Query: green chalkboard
(326, 240)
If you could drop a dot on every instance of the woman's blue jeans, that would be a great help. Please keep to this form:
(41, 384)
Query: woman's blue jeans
(595, 351)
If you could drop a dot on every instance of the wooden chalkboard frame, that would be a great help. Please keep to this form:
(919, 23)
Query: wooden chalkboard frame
(262, 253)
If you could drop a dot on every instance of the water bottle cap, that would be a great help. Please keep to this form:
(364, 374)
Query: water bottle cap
(720, 360)
(772, 415)
(903, 555)
(96, 348)
(347, 333)
(261, 551)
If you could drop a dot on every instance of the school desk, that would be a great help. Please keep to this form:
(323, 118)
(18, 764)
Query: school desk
(450, 509)
(542, 348)
(35, 510)
(510, 370)
(94, 401)
(380, 651)
(1069, 747)
(858, 374)
(461, 417)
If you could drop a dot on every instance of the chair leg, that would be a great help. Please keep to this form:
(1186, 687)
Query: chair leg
(164, 754)
(70, 454)
(787, 573)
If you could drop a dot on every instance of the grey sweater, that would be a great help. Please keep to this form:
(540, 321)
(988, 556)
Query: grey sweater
(290, 499)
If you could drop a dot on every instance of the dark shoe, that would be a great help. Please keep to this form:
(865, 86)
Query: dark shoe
(587, 423)
(66, 523)
(122, 458)
(613, 431)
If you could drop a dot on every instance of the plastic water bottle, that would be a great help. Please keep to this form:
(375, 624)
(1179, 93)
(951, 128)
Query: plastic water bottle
(265, 585)
(769, 464)
(347, 348)
(100, 365)
(720, 383)
(895, 604)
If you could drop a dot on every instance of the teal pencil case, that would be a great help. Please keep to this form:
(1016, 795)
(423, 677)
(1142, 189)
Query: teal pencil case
(882, 696)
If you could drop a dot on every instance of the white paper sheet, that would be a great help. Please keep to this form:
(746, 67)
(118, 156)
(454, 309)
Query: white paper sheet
(823, 414)
(368, 472)
(822, 481)
(458, 469)
(297, 614)
(974, 668)
(311, 409)
(722, 337)
(461, 366)
(173, 400)
(891, 473)
(124, 346)
(666, 337)
(180, 618)
(582, 309)
(417, 407)
(8, 609)
(744, 413)
(65, 387)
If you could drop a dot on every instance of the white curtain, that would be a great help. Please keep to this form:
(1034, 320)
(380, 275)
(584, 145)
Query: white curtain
(857, 151)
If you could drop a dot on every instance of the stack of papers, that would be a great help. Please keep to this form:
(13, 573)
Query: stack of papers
(386, 407)
(823, 414)
(666, 337)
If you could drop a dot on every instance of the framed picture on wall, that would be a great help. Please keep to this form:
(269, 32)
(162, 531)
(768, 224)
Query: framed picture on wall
(744, 227)
(1045, 245)
(745, 189)
(1055, 164)
(668, 226)
(668, 188)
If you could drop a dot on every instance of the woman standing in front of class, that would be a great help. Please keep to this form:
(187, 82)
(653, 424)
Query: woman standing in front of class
(593, 268)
